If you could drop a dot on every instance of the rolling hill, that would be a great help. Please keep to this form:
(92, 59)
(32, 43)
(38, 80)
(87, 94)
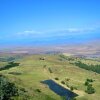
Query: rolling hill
(34, 69)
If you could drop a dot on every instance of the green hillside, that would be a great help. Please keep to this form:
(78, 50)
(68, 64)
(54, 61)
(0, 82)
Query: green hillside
(31, 70)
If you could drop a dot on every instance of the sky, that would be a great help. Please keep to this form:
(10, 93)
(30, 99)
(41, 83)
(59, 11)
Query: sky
(25, 22)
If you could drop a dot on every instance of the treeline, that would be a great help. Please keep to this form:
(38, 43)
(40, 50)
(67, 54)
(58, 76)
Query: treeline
(95, 68)
(9, 65)
(67, 58)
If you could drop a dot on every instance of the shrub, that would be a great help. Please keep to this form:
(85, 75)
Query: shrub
(71, 88)
(67, 79)
(38, 90)
(22, 89)
(56, 78)
(90, 80)
(86, 83)
(62, 82)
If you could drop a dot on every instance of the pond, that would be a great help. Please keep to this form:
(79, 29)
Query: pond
(58, 89)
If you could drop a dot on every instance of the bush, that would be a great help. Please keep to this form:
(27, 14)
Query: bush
(62, 82)
(22, 89)
(56, 78)
(67, 79)
(86, 83)
(90, 80)
(71, 88)
(38, 90)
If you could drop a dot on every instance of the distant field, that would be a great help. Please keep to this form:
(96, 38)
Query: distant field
(33, 69)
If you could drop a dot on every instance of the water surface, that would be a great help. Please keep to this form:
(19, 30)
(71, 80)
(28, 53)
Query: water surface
(61, 91)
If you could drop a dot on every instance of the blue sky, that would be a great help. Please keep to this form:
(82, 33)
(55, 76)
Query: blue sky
(50, 21)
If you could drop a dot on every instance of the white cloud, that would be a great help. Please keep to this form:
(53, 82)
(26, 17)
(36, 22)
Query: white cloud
(74, 30)
(51, 33)
(29, 32)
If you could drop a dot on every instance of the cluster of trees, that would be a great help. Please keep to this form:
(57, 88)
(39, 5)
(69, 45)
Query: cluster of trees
(7, 89)
(9, 65)
(89, 88)
(95, 68)
(42, 58)
(67, 58)
(66, 82)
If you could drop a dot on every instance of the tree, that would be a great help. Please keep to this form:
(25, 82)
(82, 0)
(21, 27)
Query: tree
(7, 89)
(86, 83)
(90, 89)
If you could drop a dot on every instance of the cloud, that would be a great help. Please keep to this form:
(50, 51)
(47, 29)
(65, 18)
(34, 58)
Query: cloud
(54, 33)
(74, 30)
(29, 32)
(50, 32)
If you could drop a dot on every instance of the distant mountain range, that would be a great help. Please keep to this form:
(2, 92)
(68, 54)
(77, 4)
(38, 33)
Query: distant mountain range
(86, 49)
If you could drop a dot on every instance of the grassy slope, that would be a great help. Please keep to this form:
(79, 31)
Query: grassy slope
(33, 72)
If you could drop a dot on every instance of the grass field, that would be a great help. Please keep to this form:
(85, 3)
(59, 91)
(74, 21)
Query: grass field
(33, 70)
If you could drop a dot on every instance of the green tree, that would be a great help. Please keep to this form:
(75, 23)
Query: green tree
(7, 89)
(86, 83)
(90, 89)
